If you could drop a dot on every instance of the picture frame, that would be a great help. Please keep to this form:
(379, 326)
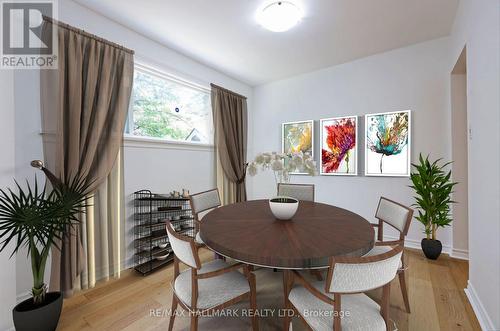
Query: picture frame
(341, 160)
(298, 135)
(388, 153)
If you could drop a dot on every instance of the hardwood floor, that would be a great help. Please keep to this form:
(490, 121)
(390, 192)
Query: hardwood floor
(134, 302)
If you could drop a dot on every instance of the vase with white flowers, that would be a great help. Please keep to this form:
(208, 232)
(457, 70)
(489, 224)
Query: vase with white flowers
(283, 165)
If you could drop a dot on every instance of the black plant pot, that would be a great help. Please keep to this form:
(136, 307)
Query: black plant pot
(432, 248)
(28, 316)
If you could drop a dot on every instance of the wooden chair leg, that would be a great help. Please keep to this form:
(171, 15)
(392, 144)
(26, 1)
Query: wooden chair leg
(386, 297)
(336, 309)
(286, 291)
(404, 290)
(172, 313)
(288, 321)
(253, 302)
(194, 321)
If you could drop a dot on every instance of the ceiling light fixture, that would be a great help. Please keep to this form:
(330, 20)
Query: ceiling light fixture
(279, 16)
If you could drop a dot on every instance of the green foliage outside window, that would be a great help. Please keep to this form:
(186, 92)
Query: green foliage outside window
(155, 101)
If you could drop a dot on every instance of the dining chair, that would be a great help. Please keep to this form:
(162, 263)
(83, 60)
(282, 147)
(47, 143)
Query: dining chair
(399, 217)
(206, 288)
(304, 192)
(339, 302)
(201, 202)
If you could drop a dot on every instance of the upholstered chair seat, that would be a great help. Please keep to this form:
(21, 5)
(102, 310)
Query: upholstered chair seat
(363, 312)
(208, 287)
(198, 239)
(377, 250)
(339, 303)
(211, 291)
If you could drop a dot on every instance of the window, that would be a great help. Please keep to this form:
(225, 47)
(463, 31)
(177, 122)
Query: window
(167, 108)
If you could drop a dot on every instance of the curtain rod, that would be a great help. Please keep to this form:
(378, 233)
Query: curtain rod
(226, 90)
(86, 34)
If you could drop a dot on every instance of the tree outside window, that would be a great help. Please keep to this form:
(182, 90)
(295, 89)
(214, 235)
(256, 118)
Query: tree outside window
(166, 109)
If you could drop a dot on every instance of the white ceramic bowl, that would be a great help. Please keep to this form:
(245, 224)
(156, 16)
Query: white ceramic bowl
(283, 208)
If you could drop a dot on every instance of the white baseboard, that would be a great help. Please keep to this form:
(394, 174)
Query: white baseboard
(481, 314)
(456, 253)
(411, 243)
(462, 254)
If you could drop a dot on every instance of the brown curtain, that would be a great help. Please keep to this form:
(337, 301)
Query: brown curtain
(231, 125)
(84, 104)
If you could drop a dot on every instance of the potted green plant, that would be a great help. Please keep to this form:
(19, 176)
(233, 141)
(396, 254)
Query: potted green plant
(37, 218)
(433, 188)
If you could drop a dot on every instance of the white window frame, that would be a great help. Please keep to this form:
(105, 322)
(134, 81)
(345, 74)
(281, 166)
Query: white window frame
(131, 140)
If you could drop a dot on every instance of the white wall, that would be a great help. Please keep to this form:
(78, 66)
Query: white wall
(459, 151)
(477, 25)
(28, 147)
(7, 137)
(161, 170)
(414, 77)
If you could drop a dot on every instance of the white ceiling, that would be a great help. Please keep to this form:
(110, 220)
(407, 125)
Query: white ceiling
(224, 34)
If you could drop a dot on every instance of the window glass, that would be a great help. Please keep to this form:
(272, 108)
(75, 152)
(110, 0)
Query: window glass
(167, 109)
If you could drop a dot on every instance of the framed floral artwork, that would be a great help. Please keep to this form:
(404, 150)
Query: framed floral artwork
(339, 146)
(388, 144)
(298, 137)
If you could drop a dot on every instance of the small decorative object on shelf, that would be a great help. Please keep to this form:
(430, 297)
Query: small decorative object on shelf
(151, 213)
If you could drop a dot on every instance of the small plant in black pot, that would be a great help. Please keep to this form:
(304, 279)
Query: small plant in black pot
(37, 218)
(433, 188)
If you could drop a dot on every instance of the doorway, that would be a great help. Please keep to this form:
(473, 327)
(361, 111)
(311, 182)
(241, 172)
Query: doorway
(459, 154)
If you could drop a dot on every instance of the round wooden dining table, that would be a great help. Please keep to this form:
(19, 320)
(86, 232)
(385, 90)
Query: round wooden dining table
(248, 232)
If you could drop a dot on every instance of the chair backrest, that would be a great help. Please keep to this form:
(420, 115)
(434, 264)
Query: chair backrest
(204, 201)
(304, 192)
(360, 274)
(184, 248)
(394, 214)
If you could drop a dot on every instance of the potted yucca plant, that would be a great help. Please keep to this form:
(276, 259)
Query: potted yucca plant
(433, 187)
(37, 218)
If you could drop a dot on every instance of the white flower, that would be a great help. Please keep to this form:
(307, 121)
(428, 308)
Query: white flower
(267, 157)
(310, 167)
(297, 161)
(277, 165)
(252, 169)
(259, 159)
(285, 175)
